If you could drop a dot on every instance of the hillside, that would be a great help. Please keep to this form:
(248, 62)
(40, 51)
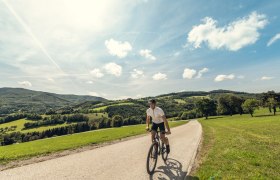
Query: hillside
(173, 103)
(213, 94)
(14, 99)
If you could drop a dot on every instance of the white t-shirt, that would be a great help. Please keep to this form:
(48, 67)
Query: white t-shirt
(156, 114)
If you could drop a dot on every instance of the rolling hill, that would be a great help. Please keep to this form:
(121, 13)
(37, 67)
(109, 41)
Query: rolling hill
(14, 99)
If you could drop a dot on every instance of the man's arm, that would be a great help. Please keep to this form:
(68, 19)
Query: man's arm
(147, 121)
(166, 124)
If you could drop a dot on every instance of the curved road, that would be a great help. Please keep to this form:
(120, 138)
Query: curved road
(124, 160)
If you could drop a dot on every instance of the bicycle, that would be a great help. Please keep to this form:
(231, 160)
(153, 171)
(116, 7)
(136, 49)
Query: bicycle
(157, 148)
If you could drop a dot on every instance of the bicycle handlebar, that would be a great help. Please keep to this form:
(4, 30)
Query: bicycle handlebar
(150, 130)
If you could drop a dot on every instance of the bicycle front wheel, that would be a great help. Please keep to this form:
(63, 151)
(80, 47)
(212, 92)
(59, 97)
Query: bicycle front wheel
(152, 158)
(164, 154)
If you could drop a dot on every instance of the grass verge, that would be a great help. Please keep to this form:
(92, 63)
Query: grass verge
(240, 147)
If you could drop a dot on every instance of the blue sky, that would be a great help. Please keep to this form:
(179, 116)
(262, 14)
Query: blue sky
(123, 48)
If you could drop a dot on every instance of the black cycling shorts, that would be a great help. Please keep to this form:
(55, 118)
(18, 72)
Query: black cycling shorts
(160, 126)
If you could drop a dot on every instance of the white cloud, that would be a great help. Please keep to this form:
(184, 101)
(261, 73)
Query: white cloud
(50, 79)
(188, 73)
(25, 83)
(113, 68)
(159, 76)
(147, 54)
(118, 48)
(126, 97)
(93, 93)
(121, 97)
(139, 96)
(96, 73)
(223, 77)
(266, 78)
(241, 77)
(233, 36)
(75, 45)
(273, 39)
(201, 72)
(176, 54)
(89, 82)
(137, 74)
(25, 55)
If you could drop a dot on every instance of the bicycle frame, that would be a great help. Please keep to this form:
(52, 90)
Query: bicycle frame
(159, 142)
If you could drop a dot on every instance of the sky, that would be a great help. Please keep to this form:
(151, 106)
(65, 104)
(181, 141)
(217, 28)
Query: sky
(118, 49)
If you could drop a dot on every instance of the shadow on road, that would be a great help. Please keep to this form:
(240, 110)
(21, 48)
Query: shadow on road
(171, 171)
(265, 115)
(218, 117)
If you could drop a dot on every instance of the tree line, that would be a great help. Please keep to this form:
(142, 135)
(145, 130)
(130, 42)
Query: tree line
(12, 117)
(88, 125)
(19, 137)
(230, 104)
(17, 116)
(57, 119)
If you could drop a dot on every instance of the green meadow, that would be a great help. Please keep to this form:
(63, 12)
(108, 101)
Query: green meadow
(241, 147)
(20, 124)
(103, 108)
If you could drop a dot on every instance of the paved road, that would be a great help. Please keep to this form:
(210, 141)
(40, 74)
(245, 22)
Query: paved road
(124, 160)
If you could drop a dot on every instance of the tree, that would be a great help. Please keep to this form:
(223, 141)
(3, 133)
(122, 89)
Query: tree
(230, 104)
(50, 112)
(189, 115)
(270, 99)
(272, 103)
(250, 105)
(117, 121)
(206, 107)
(34, 116)
(12, 117)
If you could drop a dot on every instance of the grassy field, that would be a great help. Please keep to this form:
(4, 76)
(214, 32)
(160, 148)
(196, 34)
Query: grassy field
(45, 146)
(20, 125)
(180, 101)
(43, 128)
(93, 116)
(103, 108)
(198, 97)
(241, 147)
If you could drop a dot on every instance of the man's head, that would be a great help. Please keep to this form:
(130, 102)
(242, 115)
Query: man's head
(152, 103)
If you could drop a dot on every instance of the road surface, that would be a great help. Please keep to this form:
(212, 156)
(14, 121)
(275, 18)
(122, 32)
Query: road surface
(123, 160)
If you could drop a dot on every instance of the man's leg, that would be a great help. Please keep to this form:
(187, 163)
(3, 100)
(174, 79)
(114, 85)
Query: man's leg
(153, 131)
(164, 139)
(153, 134)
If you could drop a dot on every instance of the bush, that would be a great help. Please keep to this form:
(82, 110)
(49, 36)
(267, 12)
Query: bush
(12, 118)
(34, 117)
(189, 115)
(117, 121)
(50, 112)
(250, 105)
(77, 118)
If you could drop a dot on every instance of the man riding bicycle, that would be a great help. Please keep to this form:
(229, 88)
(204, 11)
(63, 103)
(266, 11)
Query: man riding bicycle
(159, 121)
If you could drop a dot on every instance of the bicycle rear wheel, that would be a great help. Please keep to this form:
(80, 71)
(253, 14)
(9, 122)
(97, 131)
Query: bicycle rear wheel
(152, 158)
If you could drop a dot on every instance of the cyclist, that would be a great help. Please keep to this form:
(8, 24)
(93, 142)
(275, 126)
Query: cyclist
(159, 121)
